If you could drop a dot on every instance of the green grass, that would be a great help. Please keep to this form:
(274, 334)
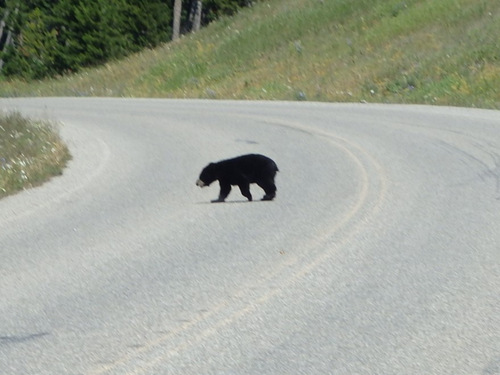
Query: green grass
(444, 52)
(31, 152)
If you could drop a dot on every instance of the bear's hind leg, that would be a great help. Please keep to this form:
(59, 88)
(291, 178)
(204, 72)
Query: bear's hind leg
(270, 189)
(245, 190)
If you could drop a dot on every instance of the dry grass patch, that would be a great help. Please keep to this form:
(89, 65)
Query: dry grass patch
(31, 152)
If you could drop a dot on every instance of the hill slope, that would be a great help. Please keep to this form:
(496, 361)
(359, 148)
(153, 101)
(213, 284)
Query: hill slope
(413, 51)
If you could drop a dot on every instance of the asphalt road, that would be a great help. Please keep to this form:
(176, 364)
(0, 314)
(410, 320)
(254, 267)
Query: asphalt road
(380, 254)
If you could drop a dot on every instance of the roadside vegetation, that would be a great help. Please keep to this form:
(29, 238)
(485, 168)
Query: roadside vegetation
(443, 52)
(43, 38)
(31, 152)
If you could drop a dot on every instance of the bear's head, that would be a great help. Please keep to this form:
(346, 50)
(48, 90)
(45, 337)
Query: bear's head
(207, 176)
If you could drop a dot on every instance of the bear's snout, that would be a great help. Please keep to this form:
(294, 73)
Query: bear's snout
(200, 183)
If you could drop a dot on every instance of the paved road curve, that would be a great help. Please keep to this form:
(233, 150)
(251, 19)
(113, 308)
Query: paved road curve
(380, 254)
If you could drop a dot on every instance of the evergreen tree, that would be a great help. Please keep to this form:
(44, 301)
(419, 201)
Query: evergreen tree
(214, 9)
(59, 36)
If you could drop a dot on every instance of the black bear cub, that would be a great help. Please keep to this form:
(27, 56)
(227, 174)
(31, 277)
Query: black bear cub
(242, 171)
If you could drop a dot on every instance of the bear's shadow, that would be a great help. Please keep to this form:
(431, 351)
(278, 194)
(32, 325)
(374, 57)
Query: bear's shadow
(241, 201)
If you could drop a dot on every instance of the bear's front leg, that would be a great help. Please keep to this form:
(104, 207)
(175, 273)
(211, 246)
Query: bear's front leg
(225, 188)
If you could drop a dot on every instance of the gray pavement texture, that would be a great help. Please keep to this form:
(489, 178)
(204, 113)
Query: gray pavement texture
(379, 255)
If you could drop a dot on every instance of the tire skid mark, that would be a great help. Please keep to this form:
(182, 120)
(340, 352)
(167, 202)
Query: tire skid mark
(250, 298)
(477, 150)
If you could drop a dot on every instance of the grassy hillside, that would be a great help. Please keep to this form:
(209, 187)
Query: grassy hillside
(444, 52)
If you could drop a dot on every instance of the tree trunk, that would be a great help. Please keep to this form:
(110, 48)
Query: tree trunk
(2, 23)
(197, 16)
(177, 19)
(8, 39)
